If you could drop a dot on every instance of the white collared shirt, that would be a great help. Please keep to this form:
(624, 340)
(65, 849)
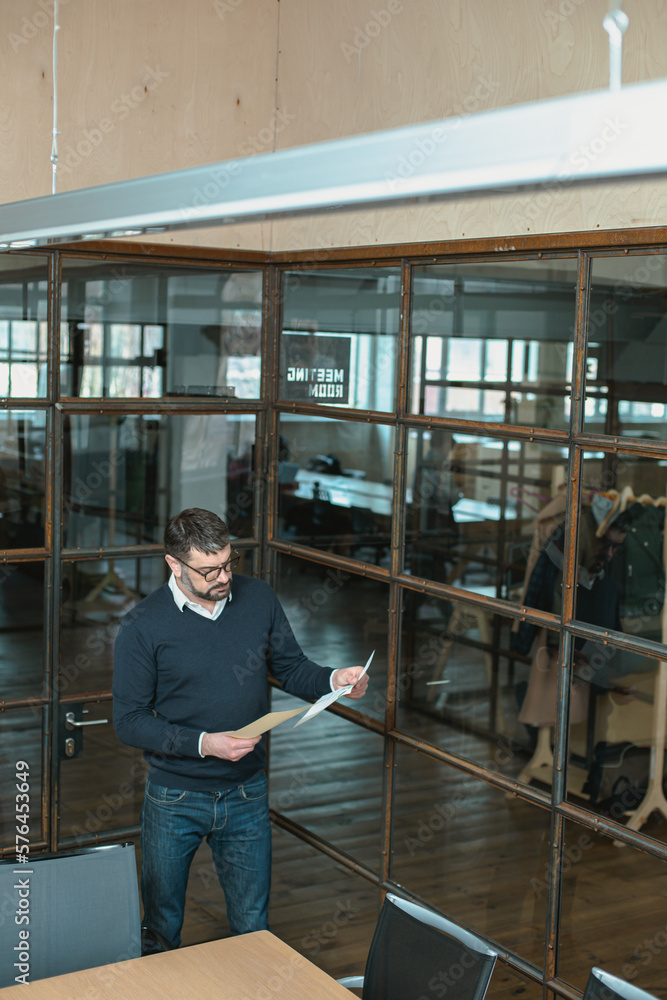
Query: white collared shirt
(183, 602)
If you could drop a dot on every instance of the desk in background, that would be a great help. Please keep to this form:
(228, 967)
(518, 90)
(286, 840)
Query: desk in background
(236, 968)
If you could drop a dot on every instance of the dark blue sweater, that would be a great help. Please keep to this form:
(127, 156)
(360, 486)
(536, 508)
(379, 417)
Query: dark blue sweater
(178, 674)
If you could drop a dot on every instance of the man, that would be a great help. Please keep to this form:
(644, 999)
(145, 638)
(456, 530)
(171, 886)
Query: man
(190, 669)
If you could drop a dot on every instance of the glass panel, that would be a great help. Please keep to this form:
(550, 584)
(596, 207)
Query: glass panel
(473, 506)
(617, 725)
(305, 771)
(461, 686)
(340, 329)
(96, 595)
(20, 765)
(23, 313)
(335, 484)
(456, 844)
(22, 478)
(612, 912)
(492, 341)
(332, 928)
(626, 365)
(157, 330)
(338, 619)
(103, 788)
(621, 530)
(125, 476)
(22, 630)
(508, 983)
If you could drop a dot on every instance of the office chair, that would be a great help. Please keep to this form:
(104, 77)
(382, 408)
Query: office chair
(416, 952)
(83, 910)
(602, 985)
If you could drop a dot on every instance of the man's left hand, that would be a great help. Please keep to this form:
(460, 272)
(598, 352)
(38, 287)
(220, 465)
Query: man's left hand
(351, 675)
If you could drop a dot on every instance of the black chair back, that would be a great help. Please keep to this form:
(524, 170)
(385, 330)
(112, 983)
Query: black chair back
(603, 985)
(417, 953)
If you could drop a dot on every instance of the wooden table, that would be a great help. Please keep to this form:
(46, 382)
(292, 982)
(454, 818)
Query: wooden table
(255, 966)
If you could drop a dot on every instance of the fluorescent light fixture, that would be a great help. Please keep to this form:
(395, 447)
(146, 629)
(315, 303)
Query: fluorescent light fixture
(544, 146)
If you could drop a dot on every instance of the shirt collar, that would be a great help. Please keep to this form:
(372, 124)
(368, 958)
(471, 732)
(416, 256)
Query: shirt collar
(183, 602)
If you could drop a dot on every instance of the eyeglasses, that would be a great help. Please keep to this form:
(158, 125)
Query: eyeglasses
(212, 574)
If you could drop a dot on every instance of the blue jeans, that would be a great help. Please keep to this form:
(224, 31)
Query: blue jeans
(237, 828)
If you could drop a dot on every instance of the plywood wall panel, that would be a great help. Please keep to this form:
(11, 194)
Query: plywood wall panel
(458, 58)
(152, 85)
(144, 86)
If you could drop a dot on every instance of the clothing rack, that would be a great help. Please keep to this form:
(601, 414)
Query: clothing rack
(541, 762)
(654, 799)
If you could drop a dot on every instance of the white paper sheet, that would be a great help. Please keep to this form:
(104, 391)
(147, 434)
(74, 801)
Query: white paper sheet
(331, 697)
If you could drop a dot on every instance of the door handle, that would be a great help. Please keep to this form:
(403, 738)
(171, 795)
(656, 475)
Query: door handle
(70, 730)
(72, 723)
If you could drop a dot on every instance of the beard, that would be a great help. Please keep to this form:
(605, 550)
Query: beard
(198, 587)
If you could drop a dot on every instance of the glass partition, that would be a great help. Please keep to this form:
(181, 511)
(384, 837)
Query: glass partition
(306, 767)
(114, 775)
(626, 364)
(617, 734)
(137, 330)
(621, 573)
(335, 485)
(22, 478)
(494, 341)
(22, 612)
(473, 506)
(454, 841)
(615, 923)
(340, 330)
(96, 595)
(126, 475)
(462, 685)
(332, 928)
(338, 618)
(23, 325)
(154, 357)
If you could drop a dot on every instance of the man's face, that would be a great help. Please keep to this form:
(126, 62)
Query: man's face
(192, 581)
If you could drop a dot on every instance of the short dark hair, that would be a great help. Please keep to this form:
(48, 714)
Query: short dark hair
(195, 529)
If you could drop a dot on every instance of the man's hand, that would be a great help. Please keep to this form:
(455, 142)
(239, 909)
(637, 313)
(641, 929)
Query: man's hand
(227, 747)
(350, 675)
